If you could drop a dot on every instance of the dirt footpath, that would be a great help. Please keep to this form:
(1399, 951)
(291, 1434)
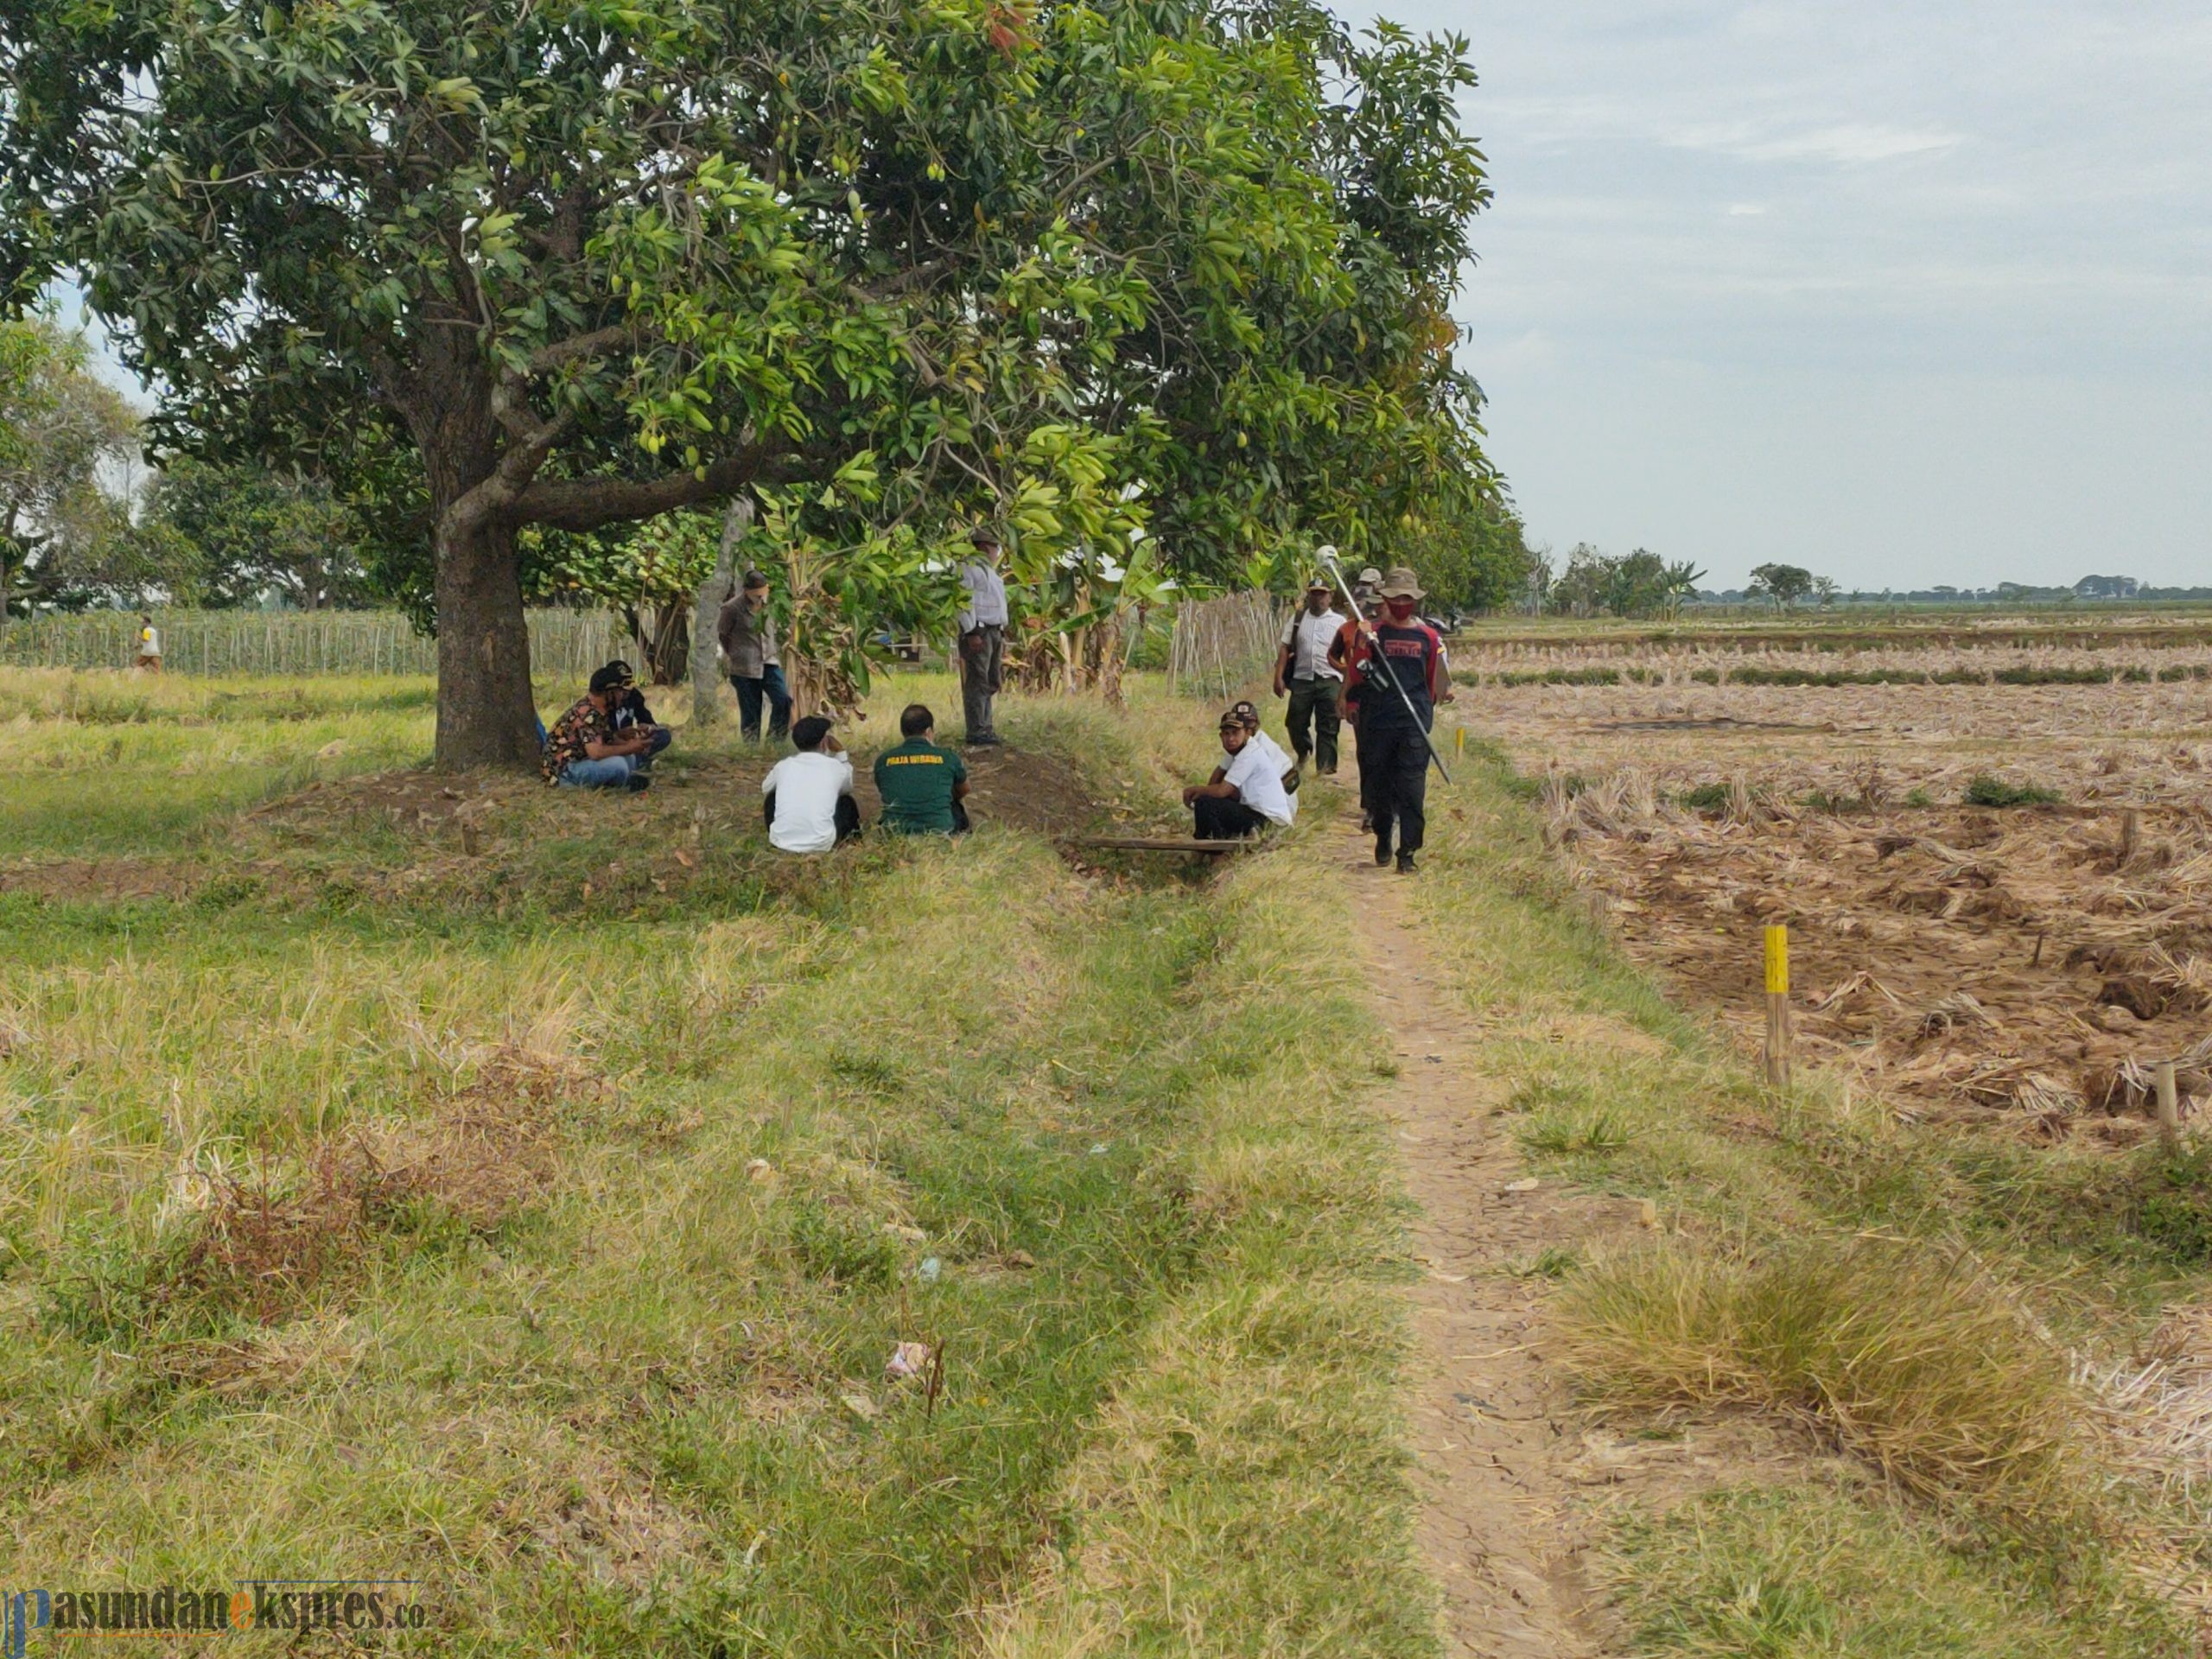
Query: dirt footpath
(1516, 1485)
(1488, 1426)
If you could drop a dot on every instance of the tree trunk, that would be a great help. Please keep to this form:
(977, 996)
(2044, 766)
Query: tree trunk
(705, 669)
(486, 716)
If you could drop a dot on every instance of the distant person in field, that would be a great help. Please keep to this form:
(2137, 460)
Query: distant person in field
(584, 750)
(1245, 794)
(982, 638)
(924, 787)
(747, 632)
(150, 646)
(807, 797)
(1305, 673)
(630, 714)
(1401, 682)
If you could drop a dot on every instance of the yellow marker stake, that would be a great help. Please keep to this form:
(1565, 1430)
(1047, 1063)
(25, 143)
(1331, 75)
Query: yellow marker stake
(1778, 1007)
(1458, 740)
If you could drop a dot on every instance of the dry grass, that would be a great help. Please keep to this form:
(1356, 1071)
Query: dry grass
(2031, 959)
(2030, 962)
(1906, 1359)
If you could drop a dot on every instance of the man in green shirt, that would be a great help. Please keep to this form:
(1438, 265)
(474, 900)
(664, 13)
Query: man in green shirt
(922, 786)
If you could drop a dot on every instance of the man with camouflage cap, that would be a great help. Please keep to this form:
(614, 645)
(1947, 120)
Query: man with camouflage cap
(1246, 793)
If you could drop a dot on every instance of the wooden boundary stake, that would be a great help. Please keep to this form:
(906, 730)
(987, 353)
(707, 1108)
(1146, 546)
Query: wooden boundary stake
(1777, 1005)
(2169, 1107)
(1170, 844)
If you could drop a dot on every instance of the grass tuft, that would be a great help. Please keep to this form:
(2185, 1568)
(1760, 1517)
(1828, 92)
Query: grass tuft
(1898, 1355)
(1986, 790)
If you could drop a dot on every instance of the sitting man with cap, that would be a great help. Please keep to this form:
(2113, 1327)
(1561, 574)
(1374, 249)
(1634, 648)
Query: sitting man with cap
(584, 750)
(807, 797)
(1305, 670)
(1245, 793)
(630, 714)
(1248, 712)
(923, 786)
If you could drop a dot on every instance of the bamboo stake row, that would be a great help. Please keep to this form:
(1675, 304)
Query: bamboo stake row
(563, 645)
(1219, 644)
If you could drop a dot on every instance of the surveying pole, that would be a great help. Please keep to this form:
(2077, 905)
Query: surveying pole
(1328, 557)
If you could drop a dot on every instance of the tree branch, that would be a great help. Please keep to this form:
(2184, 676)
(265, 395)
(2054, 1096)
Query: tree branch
(598, 343)
(584, 503)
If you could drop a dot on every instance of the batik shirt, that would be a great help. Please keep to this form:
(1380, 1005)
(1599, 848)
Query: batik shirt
(571, 734)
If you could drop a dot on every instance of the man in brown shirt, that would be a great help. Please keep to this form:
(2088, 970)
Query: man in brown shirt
(747, 631)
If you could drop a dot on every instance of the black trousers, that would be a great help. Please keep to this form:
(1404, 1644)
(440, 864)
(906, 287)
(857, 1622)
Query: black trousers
(1313, 705)
(1225, 818)
(1394, 758)
(847, 816)
(1361, 742)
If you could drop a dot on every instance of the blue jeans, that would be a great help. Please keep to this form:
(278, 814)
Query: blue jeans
(610, 773)
(749, 693)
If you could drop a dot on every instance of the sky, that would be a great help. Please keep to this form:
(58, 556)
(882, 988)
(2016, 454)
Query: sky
(1908, 293)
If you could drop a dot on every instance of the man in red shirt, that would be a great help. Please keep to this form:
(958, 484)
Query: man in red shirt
(1347, 654)
(1393, 728)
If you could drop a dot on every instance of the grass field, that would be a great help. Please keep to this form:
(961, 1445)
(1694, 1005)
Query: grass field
(537, 1224)
(526, 1193)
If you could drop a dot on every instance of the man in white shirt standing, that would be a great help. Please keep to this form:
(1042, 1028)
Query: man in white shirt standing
(1303, 669)
(982, 638)
(808, 796)
(150, 646)
(1245, 793)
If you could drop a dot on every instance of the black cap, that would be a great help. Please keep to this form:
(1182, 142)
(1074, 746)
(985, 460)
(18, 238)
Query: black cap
(609, 678)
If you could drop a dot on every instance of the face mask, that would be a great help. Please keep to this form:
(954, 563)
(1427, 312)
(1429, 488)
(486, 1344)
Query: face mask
(1400, 609)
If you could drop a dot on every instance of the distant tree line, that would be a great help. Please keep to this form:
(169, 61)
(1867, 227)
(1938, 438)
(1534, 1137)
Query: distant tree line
(1825, 592)
(1638, 584)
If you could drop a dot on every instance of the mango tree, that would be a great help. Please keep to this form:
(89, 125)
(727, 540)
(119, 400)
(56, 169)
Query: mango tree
(582, 263)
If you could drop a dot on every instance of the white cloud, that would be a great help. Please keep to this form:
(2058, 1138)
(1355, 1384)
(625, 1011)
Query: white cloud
(1846, 143)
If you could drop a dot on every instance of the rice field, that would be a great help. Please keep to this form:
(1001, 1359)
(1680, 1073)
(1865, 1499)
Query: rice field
(1995, 860)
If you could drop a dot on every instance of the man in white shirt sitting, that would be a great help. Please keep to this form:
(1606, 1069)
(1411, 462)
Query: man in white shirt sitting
(808, 796)
(1245, 793)
(1304, 671)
